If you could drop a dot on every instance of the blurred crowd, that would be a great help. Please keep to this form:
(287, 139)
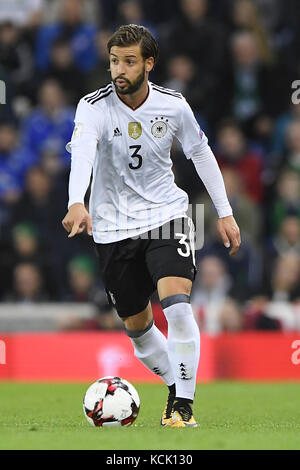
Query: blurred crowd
(235, 62)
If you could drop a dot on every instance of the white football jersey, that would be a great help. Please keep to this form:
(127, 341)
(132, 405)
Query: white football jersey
(133, 188)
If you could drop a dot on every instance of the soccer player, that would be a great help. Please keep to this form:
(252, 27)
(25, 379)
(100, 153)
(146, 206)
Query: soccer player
(122, 137)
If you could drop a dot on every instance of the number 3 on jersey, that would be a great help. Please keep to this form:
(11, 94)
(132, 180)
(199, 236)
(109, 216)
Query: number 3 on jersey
(135, 155)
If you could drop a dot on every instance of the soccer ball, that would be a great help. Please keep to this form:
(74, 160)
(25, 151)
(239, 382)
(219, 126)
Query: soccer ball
(111, 401)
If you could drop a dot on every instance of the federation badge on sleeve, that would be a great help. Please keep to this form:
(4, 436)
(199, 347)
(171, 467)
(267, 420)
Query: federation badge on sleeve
(135, 129)
(77, 131)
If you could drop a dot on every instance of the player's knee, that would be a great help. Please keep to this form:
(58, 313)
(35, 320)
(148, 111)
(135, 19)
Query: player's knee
(174, 286)
(184, 287)
(140, 321)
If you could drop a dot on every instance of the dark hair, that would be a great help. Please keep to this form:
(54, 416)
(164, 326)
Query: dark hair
(130, 34)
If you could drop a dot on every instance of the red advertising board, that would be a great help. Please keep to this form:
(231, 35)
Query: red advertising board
(87, 356)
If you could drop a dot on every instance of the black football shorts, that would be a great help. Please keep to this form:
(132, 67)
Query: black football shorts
(131, 268)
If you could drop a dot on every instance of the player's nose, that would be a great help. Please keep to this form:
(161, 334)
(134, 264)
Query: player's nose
(120, 69)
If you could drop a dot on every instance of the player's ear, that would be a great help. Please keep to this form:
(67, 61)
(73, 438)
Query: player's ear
(149, 64)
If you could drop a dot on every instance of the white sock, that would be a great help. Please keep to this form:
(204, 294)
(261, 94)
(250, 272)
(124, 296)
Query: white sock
(183, 343)
(150, 347)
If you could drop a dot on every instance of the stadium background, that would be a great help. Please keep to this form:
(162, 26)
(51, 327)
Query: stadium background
(235, 62)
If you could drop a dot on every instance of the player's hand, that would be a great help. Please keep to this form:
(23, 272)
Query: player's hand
(77, 220)
(230, 233)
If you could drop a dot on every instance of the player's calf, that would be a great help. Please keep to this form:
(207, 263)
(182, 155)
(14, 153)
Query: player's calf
(183, 343)
(150, 347)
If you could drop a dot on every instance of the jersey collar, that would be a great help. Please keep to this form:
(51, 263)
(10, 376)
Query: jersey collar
(126, 106)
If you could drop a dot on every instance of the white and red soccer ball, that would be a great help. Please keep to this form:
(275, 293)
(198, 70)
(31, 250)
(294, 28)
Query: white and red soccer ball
(111, 401)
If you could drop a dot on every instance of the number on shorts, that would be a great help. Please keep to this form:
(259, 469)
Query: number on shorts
(183, 242)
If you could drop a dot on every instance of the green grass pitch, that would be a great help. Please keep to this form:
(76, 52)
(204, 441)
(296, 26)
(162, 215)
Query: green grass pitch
(230, 415)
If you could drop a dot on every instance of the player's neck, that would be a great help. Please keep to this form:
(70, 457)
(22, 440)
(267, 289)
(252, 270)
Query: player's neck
(135, 100)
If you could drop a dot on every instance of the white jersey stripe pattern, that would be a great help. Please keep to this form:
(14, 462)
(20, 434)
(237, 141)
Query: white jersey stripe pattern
(128, 152)
(89, 98)
(166, 90)
(102, 95)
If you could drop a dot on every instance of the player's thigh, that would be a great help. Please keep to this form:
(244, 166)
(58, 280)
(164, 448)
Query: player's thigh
(171, 258)
(125, 278)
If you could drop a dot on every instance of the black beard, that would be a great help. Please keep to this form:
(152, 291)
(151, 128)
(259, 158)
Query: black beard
(133, 87)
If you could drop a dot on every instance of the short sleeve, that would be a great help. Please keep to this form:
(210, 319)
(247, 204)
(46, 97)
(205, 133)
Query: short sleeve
(189, 134)
(88, 126)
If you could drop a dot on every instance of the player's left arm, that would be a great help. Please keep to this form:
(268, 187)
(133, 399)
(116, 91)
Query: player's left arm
(195, 146)
(208, 170)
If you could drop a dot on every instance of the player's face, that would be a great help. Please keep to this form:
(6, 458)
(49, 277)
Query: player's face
(129, 70)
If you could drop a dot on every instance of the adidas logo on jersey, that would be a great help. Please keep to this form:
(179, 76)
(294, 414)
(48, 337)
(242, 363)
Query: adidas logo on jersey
(117, 132)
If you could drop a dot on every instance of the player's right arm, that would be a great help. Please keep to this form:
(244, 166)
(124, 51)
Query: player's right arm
(83, 147)
(77, 220)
